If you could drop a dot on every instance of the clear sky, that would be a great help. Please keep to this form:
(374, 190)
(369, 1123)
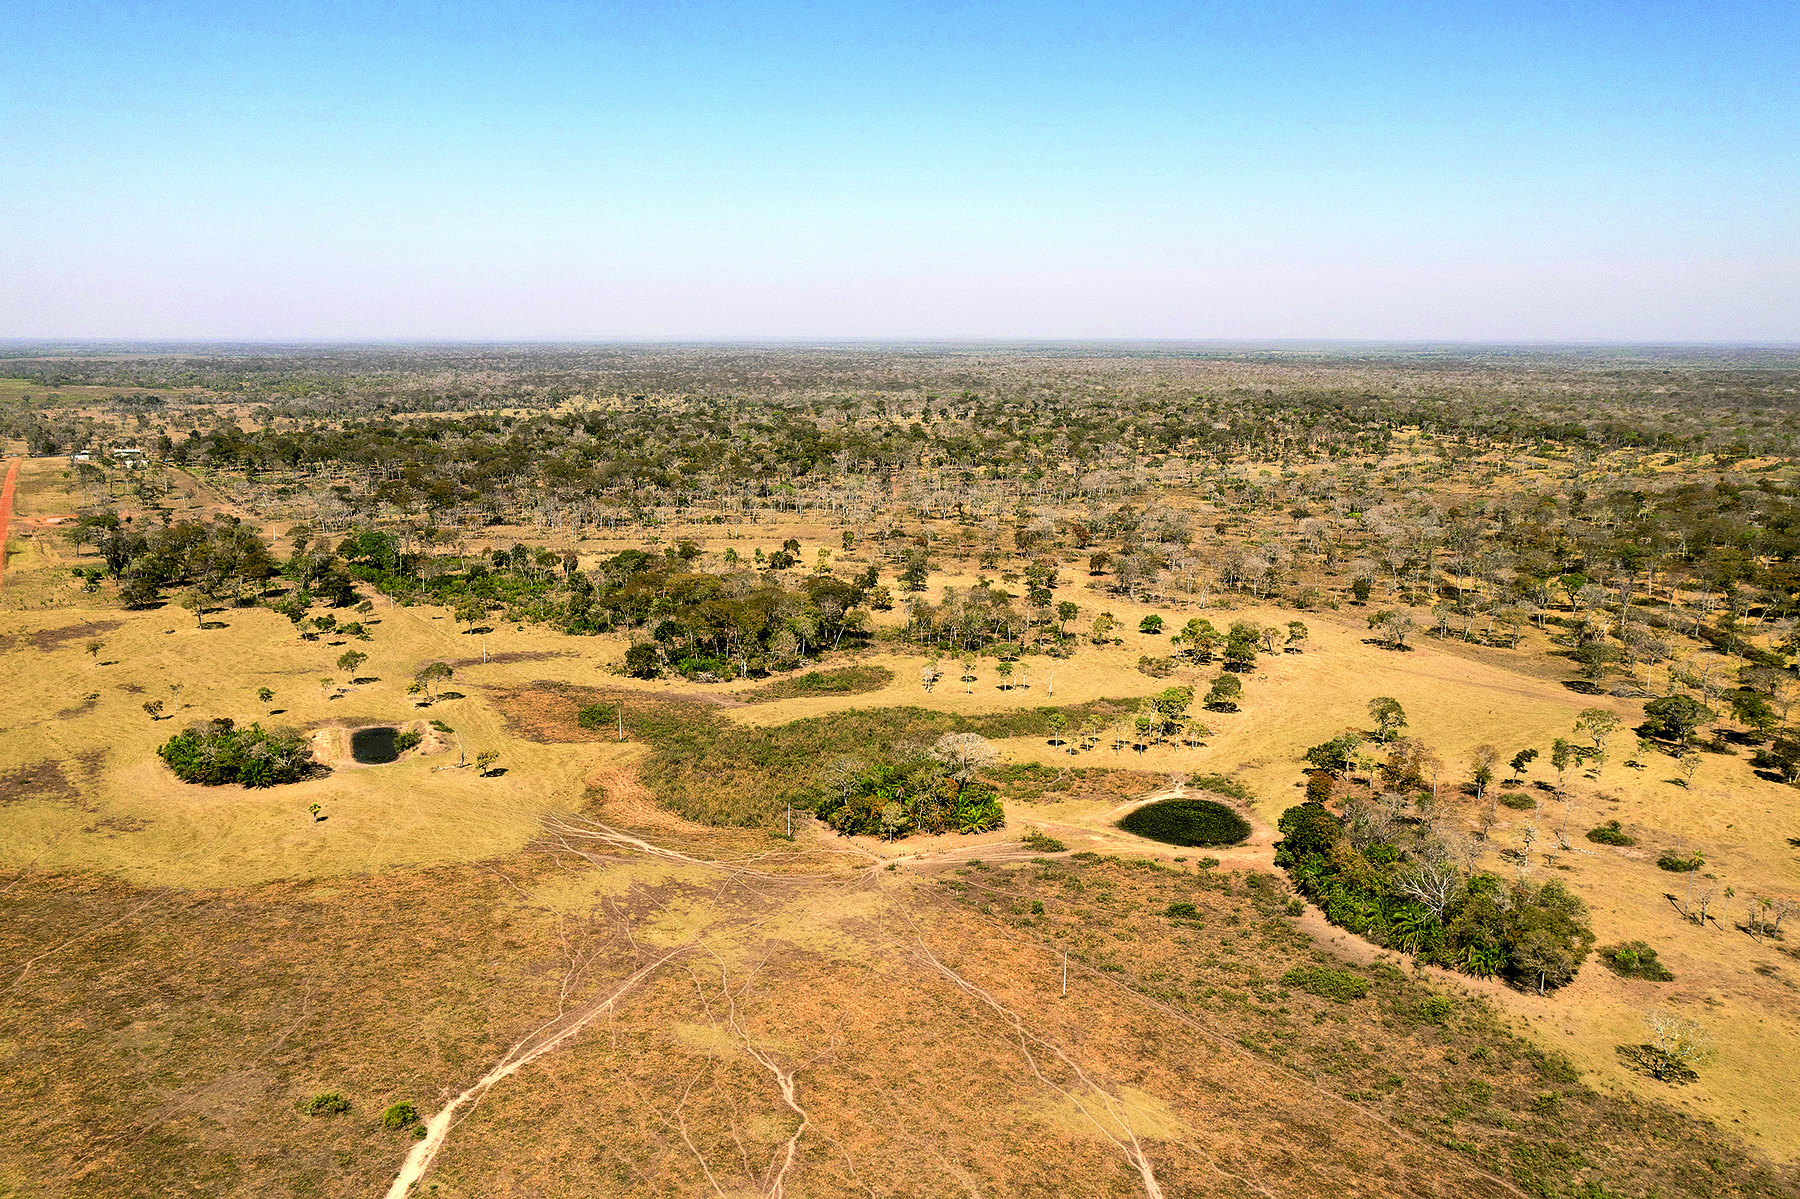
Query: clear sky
(374, 170)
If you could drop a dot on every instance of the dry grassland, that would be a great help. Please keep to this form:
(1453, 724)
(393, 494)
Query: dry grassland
(180, 965)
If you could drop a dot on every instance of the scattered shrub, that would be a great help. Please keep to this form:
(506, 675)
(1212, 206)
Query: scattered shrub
(1043, 844)
(1187, 822)
(441, 727)
(327, 1103)
(1340, 986)
(1222, 784)
(1182, 911)
(408, 739)
(597, 716)
(1679, 863)
(1437, 1009)
(400, 1115)
(1610, 834)
(846, 680)
(1518, 801)
(1634, 959)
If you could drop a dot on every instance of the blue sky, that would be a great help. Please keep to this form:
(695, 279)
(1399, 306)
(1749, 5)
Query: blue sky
(395, 170)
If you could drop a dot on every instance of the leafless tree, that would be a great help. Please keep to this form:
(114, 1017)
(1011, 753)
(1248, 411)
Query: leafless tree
(1434, 884)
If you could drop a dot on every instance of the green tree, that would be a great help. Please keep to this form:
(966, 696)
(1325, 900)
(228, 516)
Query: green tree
(1597, 723)
(1520, 761)
(433, 674)
(484, 761)
(1151, 624)
(1005, 671)
(1198, 638)
(1240, 645)
(470, 612)
(1224, 693)
(264, 696)
(642, 661)
(1595, 658)
(1337, 755)
(1562, 757)
(350, 659)
(1297, 634)
(1388, 715)
(1753, 710)
(1482, 760)
(1675, 717)
(195, 602)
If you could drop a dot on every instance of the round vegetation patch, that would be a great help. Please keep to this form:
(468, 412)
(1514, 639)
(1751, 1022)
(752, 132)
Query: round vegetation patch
(1187, 822)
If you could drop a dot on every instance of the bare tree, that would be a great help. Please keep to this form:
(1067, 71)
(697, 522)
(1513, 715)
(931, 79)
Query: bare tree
(1677, 1044)
(1434, 884)
(965, 754)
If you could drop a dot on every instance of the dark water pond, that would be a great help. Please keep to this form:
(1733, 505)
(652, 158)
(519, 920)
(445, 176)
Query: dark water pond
(373, 745)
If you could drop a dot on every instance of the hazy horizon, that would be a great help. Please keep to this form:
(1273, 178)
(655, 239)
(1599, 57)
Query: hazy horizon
(361, 174)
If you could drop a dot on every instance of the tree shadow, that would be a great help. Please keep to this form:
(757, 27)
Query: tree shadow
(494, 773)
(450, 695)
(1581, 687)
(369, 678)
(1378, 643)
(214, 624)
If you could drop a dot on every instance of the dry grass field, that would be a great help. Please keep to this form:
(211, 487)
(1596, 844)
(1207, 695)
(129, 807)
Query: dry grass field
(183, 967)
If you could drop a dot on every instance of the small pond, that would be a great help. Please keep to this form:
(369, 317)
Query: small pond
(374, 745)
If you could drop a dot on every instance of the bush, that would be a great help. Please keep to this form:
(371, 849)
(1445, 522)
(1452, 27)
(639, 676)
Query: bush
(1221, 784)
(597, 716)
(1634, 959)
(1187, 822)
(1610, 834)
(215, 752)
(1182, 911)
(400, 1115)
(1679, 863)
(1518, 801)
(846, 680)
(1437, 1009)
(1340, 986)
(409, 739)
(326, 1103)
(1156, 668)
(441, 727)
(1043, 844)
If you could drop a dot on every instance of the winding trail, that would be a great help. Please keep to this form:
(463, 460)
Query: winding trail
(524, 1051)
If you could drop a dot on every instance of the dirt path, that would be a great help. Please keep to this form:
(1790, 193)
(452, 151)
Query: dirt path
(6, 507)
(525, 1051)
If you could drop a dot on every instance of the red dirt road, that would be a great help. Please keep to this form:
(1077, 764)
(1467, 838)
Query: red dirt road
(6, 494)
